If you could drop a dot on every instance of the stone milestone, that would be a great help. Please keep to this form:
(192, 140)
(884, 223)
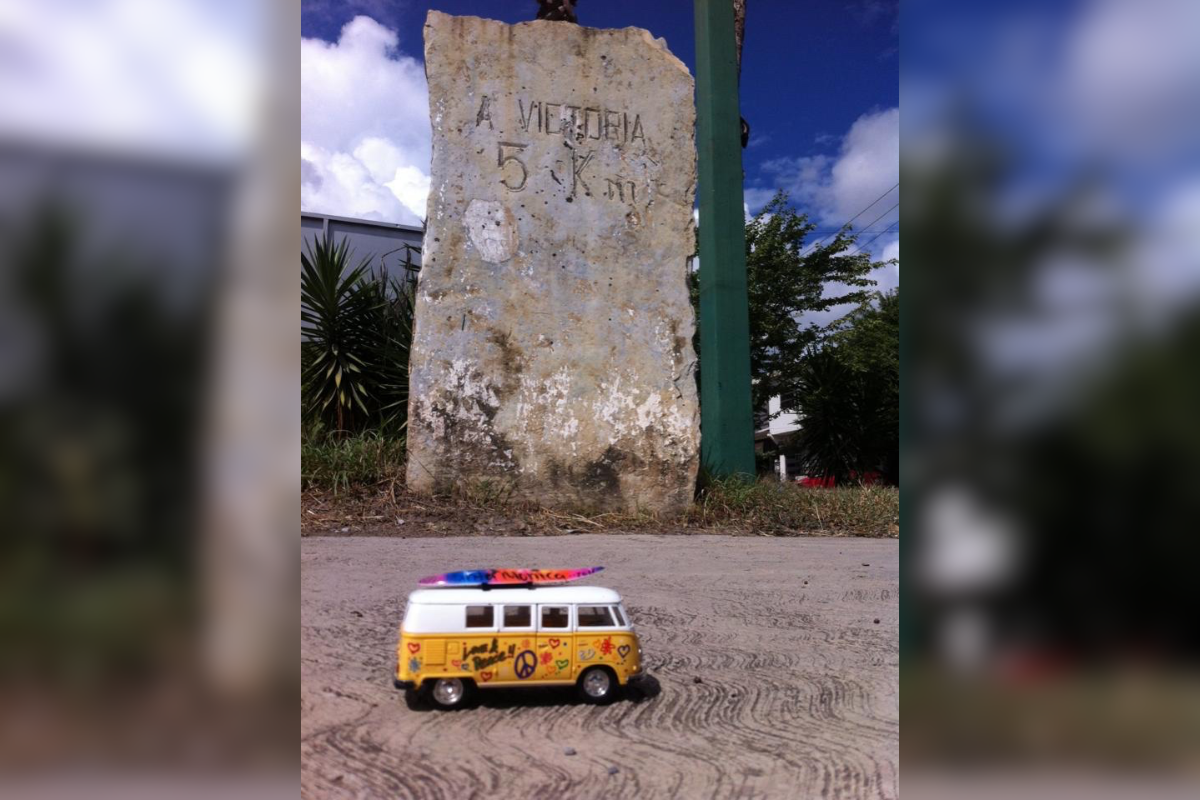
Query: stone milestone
(552, 356)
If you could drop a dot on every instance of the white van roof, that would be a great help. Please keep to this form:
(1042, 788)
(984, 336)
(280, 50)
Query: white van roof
(539, 594)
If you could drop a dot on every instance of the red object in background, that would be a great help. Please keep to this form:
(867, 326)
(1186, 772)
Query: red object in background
(816, 483)
(868, 479)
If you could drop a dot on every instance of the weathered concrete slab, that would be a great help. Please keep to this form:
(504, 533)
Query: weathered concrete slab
(552, 351)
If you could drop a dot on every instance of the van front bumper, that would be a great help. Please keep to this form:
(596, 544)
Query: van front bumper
(399, 684)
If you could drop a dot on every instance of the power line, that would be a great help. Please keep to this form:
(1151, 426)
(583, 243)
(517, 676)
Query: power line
(884, 214)
(881, 216)
(859, 214)
(876, 236)
(835, 230)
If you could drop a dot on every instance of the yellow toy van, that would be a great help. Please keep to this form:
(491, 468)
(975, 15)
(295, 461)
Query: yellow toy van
(456, 640)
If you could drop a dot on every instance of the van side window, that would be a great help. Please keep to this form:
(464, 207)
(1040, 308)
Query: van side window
(555, 617)
(518, 617)
(595, 617)
(479, 616)
(620, 615)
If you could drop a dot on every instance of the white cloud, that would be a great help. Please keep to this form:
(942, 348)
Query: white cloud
(1127, 85)
(891, 251)
(756, 198)
(868, 166)
(888, 277)
(364, 126)
(181, 78)
(833, 190)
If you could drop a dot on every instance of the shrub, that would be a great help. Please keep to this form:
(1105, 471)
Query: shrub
(349, 462)
(355, 338)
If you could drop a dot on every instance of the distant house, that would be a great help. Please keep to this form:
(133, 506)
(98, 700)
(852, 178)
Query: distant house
(385, 244)
(774, 433)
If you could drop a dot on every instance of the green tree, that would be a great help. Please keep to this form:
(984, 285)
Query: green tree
(848, 393)
(785, 279)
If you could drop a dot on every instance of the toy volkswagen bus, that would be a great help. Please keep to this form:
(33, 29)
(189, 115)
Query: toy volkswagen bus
(456, 640)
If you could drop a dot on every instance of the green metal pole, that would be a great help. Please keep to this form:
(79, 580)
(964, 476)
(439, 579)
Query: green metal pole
(726, 420)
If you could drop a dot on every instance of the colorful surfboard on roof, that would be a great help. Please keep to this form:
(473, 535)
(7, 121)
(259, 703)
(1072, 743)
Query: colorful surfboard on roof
(498, 577)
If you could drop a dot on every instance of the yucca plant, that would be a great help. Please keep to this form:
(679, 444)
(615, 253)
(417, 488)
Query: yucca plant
(357, 329)
(336, 312)
(392, 301)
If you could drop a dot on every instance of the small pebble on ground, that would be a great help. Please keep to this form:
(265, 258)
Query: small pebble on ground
(570, 751)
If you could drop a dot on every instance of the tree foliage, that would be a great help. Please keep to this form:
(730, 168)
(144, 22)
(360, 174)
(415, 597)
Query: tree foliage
(787, 279)
(357, 329)
(848, 394)
(843, 377)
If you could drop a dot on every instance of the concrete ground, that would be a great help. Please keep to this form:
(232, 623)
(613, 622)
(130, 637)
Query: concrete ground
(773, 663)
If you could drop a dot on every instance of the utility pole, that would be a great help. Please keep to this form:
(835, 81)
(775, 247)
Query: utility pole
(726, 419)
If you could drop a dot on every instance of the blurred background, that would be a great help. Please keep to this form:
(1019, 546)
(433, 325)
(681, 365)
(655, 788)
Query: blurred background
(1050, 157)
(148, 380)
(1050, 153)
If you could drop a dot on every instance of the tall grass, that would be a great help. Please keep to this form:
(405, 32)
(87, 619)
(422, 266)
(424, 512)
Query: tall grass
(773, 507)
(345, 463)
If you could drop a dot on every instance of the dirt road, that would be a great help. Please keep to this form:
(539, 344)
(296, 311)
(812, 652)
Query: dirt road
(774, 665)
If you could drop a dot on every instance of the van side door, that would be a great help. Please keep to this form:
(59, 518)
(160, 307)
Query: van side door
(555, 642)
(518, 640)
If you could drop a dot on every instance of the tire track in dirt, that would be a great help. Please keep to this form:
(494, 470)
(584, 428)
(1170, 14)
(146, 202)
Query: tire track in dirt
(797, 693)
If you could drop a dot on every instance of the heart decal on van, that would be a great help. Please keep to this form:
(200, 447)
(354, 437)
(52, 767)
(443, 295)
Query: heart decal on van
(485, 676)
(566, 662)
(555, 642)
(414, 647)
(623, 650)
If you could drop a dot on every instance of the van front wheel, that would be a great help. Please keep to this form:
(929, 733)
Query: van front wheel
(597, 685)
(449, 692)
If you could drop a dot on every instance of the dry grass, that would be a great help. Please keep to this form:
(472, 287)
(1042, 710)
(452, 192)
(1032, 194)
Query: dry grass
(355, 484)
(350, 464)
(772, 507)
(385, 508)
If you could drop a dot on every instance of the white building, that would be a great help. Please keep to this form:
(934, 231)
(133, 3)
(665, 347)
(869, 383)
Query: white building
(773, 434)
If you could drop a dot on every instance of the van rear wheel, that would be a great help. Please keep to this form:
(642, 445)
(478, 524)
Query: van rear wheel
(449, 692)
(598, 685)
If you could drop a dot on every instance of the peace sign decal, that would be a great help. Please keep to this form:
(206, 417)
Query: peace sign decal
(525, 664)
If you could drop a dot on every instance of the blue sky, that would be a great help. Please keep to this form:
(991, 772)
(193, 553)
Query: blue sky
(820, 89)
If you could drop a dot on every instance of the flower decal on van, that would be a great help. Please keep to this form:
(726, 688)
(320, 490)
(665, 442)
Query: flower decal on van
(414, 664)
